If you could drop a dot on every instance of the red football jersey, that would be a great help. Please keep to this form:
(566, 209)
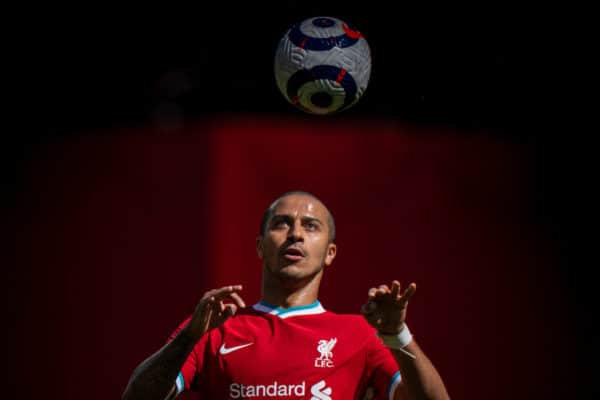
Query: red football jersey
(266, 352)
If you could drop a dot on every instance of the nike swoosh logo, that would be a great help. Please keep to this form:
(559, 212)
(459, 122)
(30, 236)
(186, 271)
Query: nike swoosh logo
(224, 350)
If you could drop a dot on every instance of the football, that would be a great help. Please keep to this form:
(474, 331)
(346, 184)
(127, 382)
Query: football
(322, 65)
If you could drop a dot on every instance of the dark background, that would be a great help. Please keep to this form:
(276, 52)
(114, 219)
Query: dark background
(106, 76)
(494, 65)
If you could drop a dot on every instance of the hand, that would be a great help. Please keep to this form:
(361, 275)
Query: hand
(213, 310)
(386, 307)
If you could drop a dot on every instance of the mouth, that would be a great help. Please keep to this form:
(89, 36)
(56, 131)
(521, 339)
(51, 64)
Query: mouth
(293, 253)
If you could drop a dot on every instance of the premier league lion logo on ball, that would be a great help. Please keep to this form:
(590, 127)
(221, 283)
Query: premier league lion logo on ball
(322, 65)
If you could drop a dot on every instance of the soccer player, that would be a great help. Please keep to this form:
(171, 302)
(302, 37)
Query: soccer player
(288, 346)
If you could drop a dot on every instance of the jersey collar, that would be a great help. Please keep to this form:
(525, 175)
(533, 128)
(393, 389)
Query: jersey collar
(314, 308)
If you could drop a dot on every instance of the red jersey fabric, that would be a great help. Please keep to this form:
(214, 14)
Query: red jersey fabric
(265, 352)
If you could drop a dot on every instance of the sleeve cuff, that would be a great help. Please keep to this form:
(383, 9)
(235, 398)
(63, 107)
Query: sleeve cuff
(180, 383)
(394, 382)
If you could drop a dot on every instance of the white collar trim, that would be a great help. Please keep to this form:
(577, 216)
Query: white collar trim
(314, 308)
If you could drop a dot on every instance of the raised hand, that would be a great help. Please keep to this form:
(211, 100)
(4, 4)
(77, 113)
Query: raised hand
(214, 308)
(385, 308)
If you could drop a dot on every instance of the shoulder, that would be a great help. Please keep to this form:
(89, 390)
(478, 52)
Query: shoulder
(352, 328)
(357, 321)
(357, 318)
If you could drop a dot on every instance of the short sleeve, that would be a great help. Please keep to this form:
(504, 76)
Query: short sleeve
(384, 375)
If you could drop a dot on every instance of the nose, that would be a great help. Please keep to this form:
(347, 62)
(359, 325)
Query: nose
(295, 232)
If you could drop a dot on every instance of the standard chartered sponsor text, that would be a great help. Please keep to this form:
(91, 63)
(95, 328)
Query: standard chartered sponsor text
(275, 389)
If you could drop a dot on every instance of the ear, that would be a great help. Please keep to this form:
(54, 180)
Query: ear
(331, 252)
(259, 247)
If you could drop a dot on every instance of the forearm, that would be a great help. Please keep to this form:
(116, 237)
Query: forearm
(420, 379)
(155, 377)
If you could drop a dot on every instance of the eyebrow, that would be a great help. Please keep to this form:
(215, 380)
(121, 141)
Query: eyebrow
(304, 219)
(311, 219)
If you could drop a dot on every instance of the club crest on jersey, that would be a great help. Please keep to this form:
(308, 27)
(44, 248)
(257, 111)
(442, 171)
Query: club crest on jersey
(325, 347)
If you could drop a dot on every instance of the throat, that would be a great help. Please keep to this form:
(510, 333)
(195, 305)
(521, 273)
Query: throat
(287, 292)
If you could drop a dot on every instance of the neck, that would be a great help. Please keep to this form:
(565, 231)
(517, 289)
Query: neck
(288, 292)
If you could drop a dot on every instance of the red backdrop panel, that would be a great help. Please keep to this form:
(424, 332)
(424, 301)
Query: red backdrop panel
(119, 234)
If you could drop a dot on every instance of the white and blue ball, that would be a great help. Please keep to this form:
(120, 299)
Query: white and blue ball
(322, 65)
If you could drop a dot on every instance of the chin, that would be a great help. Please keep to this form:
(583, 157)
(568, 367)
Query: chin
(291, 271)
(296, 272)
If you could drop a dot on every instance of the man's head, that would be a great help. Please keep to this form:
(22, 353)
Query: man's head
(269, 213)
(297, 235)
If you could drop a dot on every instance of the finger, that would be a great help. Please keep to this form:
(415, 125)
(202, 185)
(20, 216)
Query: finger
(395, 289)
(381, 292)
(216, 306)
(230, 310)
(207, 303)
(410, 290)
(371, 293)
(238, 300)
(225, 291)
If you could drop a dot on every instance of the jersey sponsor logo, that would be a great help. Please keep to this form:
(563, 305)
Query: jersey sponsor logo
(325, 347)
(319, 391)
(275, 389)
(226, 350)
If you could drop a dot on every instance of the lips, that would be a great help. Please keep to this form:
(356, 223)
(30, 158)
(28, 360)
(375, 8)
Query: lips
(293, 253)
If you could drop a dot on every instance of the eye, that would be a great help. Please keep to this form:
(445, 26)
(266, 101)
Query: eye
(312, 226)
(280, 224)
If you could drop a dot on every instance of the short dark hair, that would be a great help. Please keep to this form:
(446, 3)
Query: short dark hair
(269, 213)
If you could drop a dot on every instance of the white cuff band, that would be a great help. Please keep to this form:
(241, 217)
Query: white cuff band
(399, 341)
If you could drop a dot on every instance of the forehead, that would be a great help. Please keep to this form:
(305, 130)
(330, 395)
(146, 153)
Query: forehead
(300, 205)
